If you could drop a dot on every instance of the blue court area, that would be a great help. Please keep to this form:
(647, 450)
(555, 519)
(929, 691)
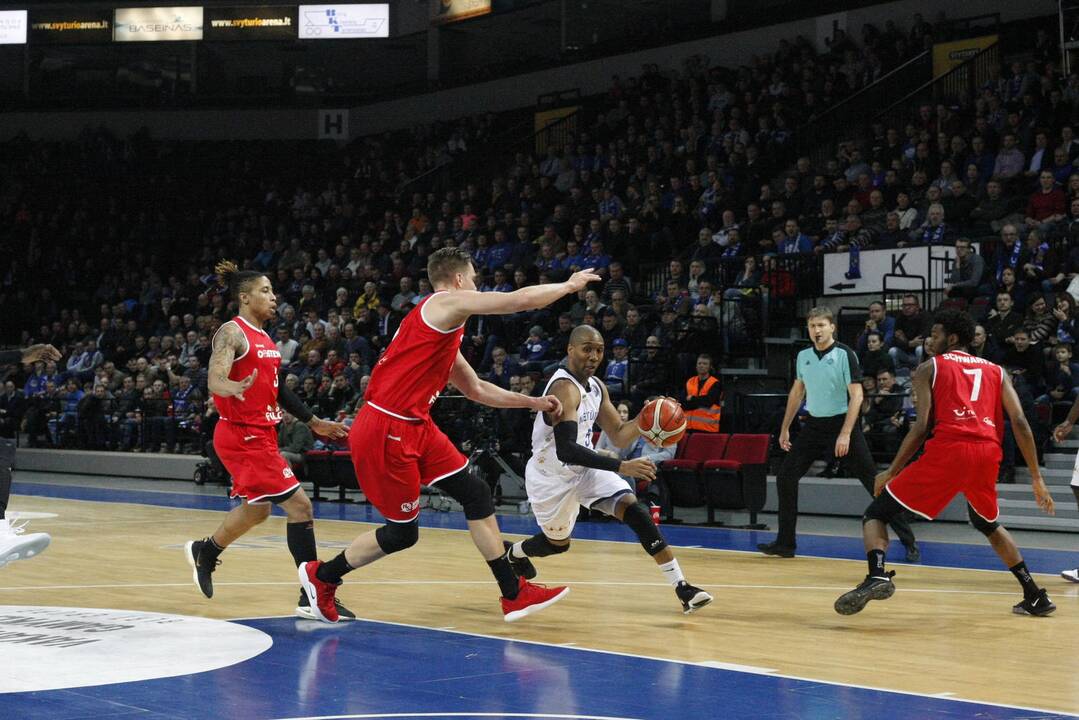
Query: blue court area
(976, 556)
(373, 669)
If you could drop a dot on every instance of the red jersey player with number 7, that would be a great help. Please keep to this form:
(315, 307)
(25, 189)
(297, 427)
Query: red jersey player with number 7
(964, 399)
(396, 447)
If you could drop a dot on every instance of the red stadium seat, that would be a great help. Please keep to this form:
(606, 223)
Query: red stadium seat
(682, 475)
(739, 480)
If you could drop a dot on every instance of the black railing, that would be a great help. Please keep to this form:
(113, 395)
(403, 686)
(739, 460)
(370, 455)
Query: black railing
(846, 119)
(958, 88)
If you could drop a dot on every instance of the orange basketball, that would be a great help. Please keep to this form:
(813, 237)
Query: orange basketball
(662, 422)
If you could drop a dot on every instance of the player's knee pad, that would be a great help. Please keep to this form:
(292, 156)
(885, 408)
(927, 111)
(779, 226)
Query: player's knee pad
(639, 519)
(395, 537)
(541, 546)
(471, 492)
(981, 524)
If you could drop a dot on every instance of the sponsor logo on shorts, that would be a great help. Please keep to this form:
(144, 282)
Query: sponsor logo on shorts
(287, 472)
(989, 422)
(410, 506)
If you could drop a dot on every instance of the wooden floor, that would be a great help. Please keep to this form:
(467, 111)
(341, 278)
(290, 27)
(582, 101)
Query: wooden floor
(945, 631)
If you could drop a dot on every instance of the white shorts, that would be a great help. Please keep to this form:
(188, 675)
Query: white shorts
(1075, 472)
(556, 499)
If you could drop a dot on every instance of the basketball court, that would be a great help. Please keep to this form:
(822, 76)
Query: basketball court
(107, 624)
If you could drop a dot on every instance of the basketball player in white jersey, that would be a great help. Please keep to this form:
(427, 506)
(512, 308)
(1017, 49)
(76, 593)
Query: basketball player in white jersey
(1062, 431)
(565, 473)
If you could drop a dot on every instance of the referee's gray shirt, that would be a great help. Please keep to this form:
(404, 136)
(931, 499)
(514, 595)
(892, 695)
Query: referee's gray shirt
(826, 376)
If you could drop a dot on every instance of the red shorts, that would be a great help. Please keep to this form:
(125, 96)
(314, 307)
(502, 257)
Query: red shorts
(250, 454)
(394, 457)
(947, 468)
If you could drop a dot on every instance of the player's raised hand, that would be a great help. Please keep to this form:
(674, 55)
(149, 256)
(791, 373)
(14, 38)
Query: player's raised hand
(1062, 431)
(328, 428)
(581, 278)
(41, 351)
(548, 404)
(242, 385)
(639, 469)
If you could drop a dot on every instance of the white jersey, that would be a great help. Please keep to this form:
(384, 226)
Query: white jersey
(544, 456)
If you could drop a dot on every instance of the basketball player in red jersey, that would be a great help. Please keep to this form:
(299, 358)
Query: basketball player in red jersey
(396, 447)
(960, 397)
(243, 377)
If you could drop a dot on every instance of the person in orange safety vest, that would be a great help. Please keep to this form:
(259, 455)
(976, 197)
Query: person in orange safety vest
(702, 398)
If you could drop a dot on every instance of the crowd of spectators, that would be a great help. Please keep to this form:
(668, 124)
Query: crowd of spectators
(682, 188)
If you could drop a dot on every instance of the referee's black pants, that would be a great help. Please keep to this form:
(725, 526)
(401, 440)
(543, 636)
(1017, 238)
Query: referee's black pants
(816, 441)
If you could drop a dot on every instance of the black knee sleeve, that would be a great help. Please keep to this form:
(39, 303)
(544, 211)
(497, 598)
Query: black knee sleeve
(981, 524)
(540, 546)
(883, 508)
(471, 492)
(395, 537)
(639, 519)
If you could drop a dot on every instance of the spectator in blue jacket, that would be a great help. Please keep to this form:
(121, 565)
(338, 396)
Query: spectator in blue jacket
(535, 349)
(617, 369)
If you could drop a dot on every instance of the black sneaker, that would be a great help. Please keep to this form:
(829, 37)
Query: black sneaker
(200, 573)
(523, 567)
(872, 588)
(914, 553)
(1040, 604)
(693, 598)
(303, 608)
(774, 548)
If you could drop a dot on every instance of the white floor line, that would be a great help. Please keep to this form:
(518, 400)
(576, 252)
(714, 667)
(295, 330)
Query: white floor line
(596, 583)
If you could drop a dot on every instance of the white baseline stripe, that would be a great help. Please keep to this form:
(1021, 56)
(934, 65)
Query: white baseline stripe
(464, 715)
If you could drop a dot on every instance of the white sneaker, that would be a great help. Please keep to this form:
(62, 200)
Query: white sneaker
(1070, 575)
(17, 544)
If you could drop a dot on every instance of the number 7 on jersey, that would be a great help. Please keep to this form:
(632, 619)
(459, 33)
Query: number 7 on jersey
(976, 391)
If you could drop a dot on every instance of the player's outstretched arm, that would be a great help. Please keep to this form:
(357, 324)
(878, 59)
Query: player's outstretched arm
(622, 434)
(451, 309)
(922, 384)
(228, 340)
(1024, 438)
(30, 355)
(472, 387)
(295, 406)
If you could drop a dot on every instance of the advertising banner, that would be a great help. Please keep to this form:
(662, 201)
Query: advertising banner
(12, 27)
(68, 27)
(255, 22)
(344, 22)
(154, 24)
(447, 11)
(951, 54)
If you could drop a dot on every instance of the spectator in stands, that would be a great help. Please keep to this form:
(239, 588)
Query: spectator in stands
(158, 426)
(884, 407)
(1040, 323)
(934, 231)
(94, 412)
(1061, 378)
(534, 350)
(991, 209)
(605, 446)
(875, 357)
(878, 322)
(11, 409)
(1009, 284)
(983, 346)
(1047, 206)
(703, 397)
(294, 439)
(911, 329)
(651, 373)
(1003, 320)
(1010, 160)
(288, 347)
(747, 283)
(1024, 359)
(965, 276)
(502, 369)
(617, 373)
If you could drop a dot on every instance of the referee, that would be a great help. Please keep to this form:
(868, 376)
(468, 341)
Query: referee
(828, 377)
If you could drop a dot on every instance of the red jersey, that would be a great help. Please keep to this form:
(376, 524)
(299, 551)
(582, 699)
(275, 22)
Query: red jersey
(259, 406)
(415, 367)
(967, 398)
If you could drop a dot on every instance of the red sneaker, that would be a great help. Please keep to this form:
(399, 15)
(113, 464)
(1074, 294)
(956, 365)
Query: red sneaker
(324, 607)
(531, 599)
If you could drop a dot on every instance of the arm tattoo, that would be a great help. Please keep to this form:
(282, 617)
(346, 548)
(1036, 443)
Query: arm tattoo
(227, 341)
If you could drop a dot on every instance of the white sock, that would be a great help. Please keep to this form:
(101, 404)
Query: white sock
(673, 573)
(517, 551)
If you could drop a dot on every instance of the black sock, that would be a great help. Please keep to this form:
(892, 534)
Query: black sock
(332, 571)
(301, 541)
(876, 563)
(5, 488)
(1030, 588)
(209, 550)
(507, 579)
